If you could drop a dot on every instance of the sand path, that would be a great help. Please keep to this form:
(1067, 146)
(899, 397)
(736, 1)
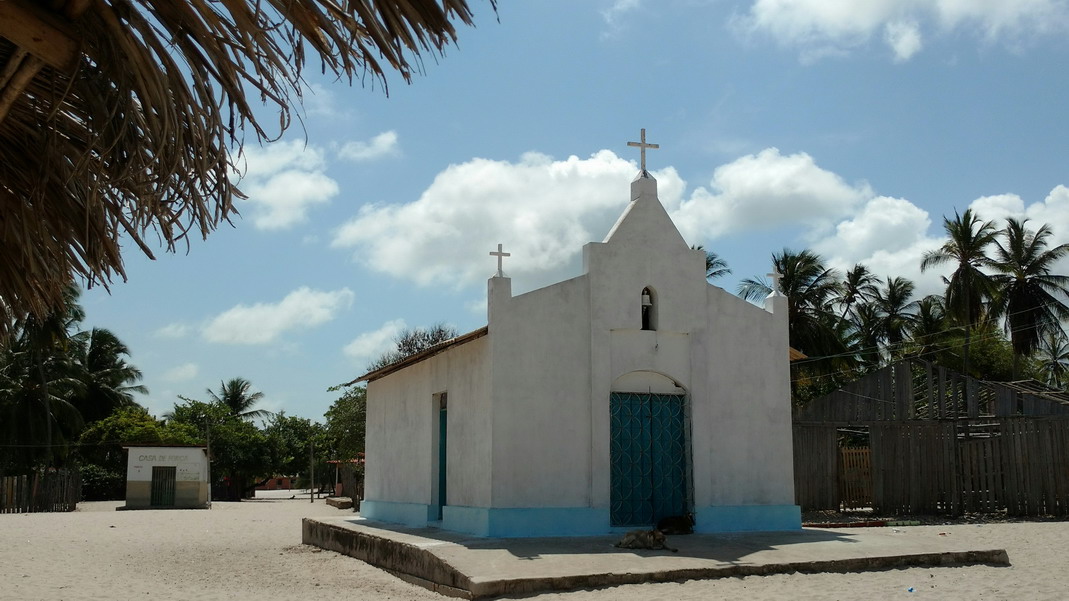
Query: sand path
(252, 551)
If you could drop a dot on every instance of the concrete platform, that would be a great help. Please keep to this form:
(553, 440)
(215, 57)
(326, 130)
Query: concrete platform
(477, 568)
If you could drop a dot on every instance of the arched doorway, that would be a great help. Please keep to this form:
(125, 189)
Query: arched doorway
(648, 450)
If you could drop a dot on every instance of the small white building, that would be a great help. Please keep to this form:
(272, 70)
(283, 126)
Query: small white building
(608, 401)
(167, 477)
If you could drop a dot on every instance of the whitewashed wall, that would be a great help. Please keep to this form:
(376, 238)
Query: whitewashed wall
(541, 346)
(402, 421)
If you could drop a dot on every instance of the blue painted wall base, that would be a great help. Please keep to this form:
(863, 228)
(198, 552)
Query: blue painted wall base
(525, 522)
(415, 515)
(747, 518)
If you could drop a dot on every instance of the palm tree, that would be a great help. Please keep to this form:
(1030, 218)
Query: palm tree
(1030, 296)
(928, 330)
(896, 312)
(858, 287)
(122, 124)
(968, 287)
(1054, 358)
(810, 288)
(36, 382)
(715, 266)
(237, 396)
(866, 334)
(108, 381)
(37, 422)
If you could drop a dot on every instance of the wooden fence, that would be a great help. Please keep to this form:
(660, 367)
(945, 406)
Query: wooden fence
(918, 390)
(50, 491)
(855, 477)
(1017, 465)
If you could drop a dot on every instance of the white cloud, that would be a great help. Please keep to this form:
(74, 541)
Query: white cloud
(889, 236)
(997, 207)
(370, 345)
(283, 181)
(181, 373)
(819, 27)
(321, 102)
(884, 223)
(616, 10)
(542, 210)
(172, 330)
(384, 144)
(767, 190)
(904, 38)
(1053, 210)
(545, 210)
(262, 323)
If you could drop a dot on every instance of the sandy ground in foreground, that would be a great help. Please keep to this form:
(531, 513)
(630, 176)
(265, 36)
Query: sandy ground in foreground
(253, 551)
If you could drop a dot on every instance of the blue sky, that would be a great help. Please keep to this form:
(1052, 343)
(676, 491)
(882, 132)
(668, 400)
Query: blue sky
(850, 128)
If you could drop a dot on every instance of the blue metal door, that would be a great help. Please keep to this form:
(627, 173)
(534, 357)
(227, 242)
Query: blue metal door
(442, 420)
(648, 458)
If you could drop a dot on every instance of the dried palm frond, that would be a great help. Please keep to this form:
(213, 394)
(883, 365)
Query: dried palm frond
(117, 117)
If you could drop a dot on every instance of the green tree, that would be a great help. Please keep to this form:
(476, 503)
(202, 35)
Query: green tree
(867, 334)
(240, 452)
(1030, 296)
(858, 287)
(1053, 358)
(409, 342)
(236, 395)
(108, 381)
(896, 310)
(811, 288)
(715, 266)
(968, 287)
(289, 440)
(102, 457)
(346, 422)
(37, 379)
(928, 334)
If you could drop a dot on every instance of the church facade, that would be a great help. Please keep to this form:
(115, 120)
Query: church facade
(605, 402)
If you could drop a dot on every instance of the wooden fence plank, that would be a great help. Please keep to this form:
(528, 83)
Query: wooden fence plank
(1015, 464)
(58, 490)
(903, 390)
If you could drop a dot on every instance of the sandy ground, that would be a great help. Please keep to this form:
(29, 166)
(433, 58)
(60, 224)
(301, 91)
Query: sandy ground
(253, 551)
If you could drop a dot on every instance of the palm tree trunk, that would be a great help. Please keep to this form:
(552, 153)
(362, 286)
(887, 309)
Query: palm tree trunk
(45, 400)
(965, 352)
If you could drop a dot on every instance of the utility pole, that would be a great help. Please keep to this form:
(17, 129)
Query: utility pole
(312, 471)
(208, 434)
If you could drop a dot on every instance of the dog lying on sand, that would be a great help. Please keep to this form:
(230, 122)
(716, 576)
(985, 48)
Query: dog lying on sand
(645, 539)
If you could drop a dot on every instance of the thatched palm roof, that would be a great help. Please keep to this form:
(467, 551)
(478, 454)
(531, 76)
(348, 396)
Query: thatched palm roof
(117, 117)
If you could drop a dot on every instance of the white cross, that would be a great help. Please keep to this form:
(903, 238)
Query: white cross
(775, 276)
(500, 257)
(643, 145)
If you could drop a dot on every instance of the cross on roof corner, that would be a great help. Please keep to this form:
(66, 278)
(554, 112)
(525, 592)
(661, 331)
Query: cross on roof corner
(643, 146)
(776, 276)
(500, 259)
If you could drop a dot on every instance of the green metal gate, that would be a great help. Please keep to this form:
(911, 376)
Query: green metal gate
(163, 481)
(648, 458)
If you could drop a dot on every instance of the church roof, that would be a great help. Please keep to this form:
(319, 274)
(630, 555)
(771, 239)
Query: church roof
(427, 353)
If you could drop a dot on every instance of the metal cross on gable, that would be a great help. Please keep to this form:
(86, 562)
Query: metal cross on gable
(500, 259)
(643, 145)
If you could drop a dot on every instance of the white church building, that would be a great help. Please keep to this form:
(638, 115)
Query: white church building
(605, 402)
